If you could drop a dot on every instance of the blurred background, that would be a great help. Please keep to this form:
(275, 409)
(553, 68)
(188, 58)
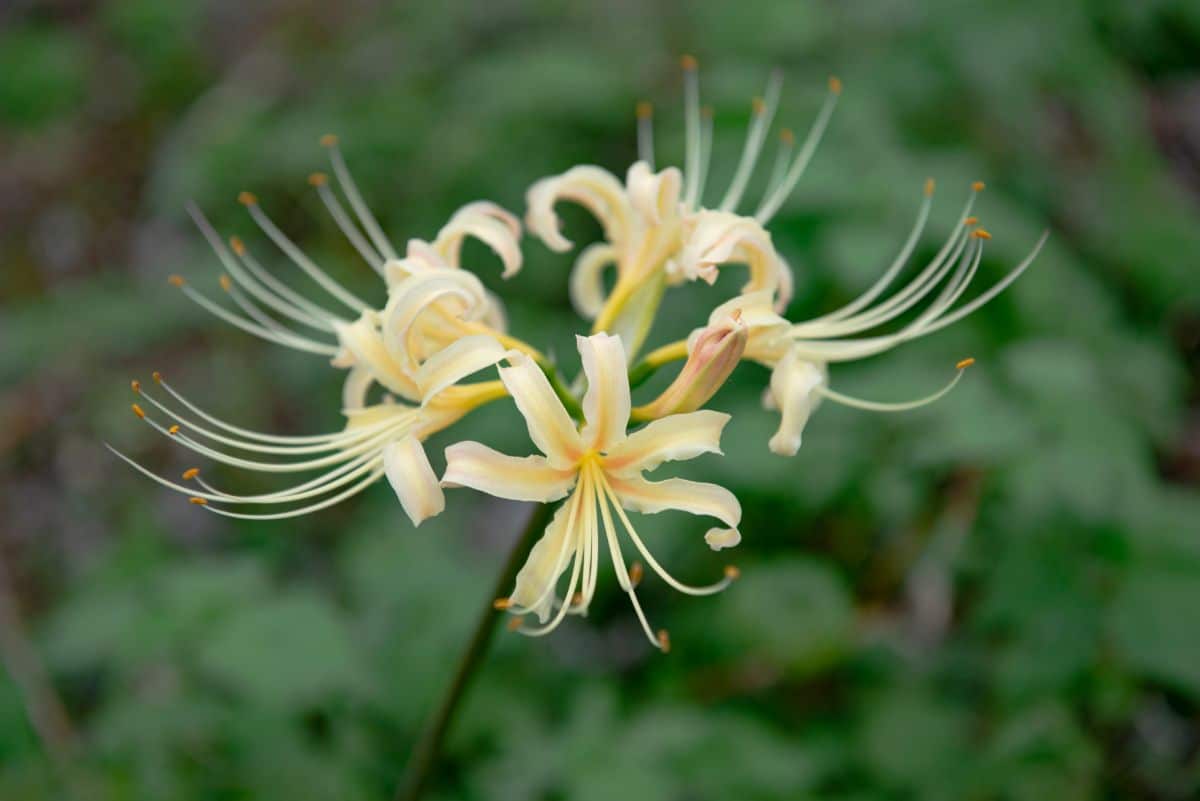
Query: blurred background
(992, 598)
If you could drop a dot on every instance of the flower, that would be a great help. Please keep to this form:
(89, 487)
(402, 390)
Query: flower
(599, 470)
(439, 326)
(657, 229)
(799, 353)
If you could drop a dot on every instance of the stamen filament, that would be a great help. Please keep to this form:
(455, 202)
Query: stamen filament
(369, 223)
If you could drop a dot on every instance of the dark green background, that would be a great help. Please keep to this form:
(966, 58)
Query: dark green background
(994, 598)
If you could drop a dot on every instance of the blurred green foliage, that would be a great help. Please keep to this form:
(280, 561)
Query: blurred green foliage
(992, 598)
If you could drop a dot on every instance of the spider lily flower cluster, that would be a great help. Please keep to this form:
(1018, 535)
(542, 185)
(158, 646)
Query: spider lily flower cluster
(422, 358)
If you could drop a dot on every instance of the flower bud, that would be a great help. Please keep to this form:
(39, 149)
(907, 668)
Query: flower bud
(714, 352)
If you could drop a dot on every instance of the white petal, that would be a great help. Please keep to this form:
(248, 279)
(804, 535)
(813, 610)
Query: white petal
(364, 341)
(354, 390)
(518, 478)
(714, 238)
(793, 391)
(453, 293)
(586, 285)
(696, 497)
(456, 361)
(718, 538)
(412, 477)
(490, 224)
(655, 196)
(591, 187)
(674, 438)
(606, 403)
(539, 572)
(550, 427)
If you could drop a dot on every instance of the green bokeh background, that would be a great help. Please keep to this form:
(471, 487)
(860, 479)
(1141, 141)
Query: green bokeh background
(997, 597)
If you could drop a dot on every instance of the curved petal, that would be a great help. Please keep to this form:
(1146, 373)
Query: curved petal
(655, 196)
(408, 471)
(769, 334)
(491, 225)
(354, 390)
(606, 403)
(714, 238)
(518, 478)
(456, 361)
(543, 566)
(677, 437)
(793, 391)
(450, 293)
(586, 284)
(591, 187)
(697, 497)
(718, 538)
(364, 341)
(550, 427)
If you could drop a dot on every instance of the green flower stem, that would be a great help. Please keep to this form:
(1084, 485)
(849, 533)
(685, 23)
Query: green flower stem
(425, 756)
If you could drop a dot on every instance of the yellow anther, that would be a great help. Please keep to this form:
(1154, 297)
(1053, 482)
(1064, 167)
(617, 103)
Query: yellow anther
(502, 603)
(706, 112)
(138, 410)
(318, 179)
(964, 364)
(644, 110)
(835, 84)
(978, 186)
(577, 599)
(173, 429)
(135, 385)
(226, 283)
(689, 63)
(787, 136)
(247, 199)
(758, 105)
(238, 246)
(175, 280)
(157, 376)
(635, 574)
(191, 473)
(664, 641)
(329, 140)
(929, 184)
(979, 233)
(198, 501)
(971, 221)
(732, 573)
(515, 623)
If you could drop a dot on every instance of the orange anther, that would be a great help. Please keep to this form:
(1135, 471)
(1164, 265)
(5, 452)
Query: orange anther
(175, 280)
(318, 179)
(191, 473)
(135, 385)
(689, 63)
(929, 184)
(502, 603)
(664, 641)
(329, 140)
(138, 411)
(977, 186)
(835, 84)
(644, 110)
(173, 429)
(238, 246)
(964, 364)
(732, 572)
(979, 233)
(247, 198)
(198, 501)
(226, 283)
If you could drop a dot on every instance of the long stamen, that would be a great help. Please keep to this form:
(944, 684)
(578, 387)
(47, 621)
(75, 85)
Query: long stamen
(691, 100)
(374, 476)
(706, 141)
(339, 476)
(576, 567)
(582, 490)
(293, 252)
(618, 561)
(369, 223)
(321, 181)
(649, 557)
(773, 201)
(877, 406)
(293, 341)
(645, 133)
(301, 308)
(761, 115)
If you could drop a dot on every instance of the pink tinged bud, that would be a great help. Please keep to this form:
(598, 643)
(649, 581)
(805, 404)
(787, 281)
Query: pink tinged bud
(714, 353)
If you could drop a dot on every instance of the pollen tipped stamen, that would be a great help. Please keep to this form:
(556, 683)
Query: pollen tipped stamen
(350, 190)
(775, 199)
(645, 133)
(692, 124)
(762, 115)
(347, 227)
(904, 406)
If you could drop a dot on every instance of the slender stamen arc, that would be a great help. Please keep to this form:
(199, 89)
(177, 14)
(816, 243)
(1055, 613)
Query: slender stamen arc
(368, 253)
(772, 202)
(877, 406)
(691, 102)
(706, 141)
(320, 485)
(761, 118)
(352, 491)
(350, 189)
(301, 305)
(292, 341)
(576, 503)
(787, 141)
(645, 134)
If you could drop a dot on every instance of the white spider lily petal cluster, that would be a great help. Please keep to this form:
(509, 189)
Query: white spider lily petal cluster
(412, 361)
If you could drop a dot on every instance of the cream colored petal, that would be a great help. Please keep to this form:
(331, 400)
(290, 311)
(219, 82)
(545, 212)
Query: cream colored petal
(606, 402)
(408, 471)
(518, 478)
(591, 187)
(769, 334)
(718, 538)
(454, 293)
(354, 390)
(364, 341)
(697, 497)
(655, 196)
(457, 361)
(793, 391)
(714, 238)
(544, 566)
(488, 223)
(586, 285)
(677, 437)
(550, 427)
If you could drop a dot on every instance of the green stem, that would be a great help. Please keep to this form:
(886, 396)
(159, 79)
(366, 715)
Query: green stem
(425, 755)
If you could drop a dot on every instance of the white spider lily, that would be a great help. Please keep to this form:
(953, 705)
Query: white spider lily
(599, 470)
(657, 229)
(799, 353)
(418, 358)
